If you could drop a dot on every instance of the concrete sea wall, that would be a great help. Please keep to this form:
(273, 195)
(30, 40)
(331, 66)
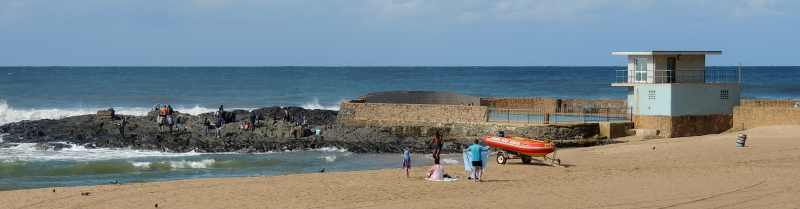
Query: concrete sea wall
(682, 126)
(409, 114)
(755, 113)
(554, 105)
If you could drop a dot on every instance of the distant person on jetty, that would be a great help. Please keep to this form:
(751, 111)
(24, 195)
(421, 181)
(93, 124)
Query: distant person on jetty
(170, 118)
(206, 126)
(162, 115)
(475, 154)
(253, 120)
(437, 145)
(407, 161)
(220, 123)
(286, 116)
(179, 124)
(122, 124)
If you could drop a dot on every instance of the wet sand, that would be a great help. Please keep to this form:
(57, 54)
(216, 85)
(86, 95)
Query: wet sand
(693, 172)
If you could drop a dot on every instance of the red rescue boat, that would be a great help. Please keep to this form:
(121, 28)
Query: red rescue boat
(519, 147)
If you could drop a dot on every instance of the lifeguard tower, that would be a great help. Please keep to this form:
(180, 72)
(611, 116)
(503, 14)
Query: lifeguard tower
(674, 94)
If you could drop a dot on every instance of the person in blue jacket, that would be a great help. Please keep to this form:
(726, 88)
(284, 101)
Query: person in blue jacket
(475, 152)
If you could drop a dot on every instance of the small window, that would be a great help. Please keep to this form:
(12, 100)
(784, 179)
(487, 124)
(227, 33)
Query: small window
(651, 94)
(723, 94)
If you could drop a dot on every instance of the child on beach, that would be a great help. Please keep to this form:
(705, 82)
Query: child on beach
(407, 161)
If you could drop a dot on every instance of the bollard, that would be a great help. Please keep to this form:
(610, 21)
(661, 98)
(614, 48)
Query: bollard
(741, 139)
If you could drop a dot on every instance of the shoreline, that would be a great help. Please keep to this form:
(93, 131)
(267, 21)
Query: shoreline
(691, 172)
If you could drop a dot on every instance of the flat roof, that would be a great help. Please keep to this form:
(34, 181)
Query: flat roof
(665, 52)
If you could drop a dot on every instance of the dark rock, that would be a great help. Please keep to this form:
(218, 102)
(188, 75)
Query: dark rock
(278, 129)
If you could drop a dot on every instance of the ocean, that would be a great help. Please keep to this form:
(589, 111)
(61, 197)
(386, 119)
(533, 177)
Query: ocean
(30, 93)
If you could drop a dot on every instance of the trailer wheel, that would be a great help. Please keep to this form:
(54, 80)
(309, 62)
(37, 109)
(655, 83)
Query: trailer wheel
(501, 158)
(525, 159)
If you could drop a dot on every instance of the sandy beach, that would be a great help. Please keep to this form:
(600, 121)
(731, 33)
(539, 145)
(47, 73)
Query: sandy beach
(693, 172)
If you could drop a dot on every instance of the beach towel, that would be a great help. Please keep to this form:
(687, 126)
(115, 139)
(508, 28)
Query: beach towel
(467, 161)
(484, 158)
(443, 179)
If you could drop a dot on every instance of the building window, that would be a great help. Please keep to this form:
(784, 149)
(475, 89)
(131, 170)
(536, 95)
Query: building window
(640, 71)
(723, 94)
(651, 95)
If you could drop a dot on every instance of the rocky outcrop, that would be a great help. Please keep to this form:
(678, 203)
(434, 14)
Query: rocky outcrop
(277, 129)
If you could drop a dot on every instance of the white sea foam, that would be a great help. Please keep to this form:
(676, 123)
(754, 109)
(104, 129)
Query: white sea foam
(142, 165)
(177, 164)
(315, 105)
(32, 152)
(192, 164)
(330, 149)
(9, 114)
(329, 158)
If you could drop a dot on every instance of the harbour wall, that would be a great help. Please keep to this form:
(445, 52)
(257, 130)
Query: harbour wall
(554, 105)
(756, 113)
(683, 126)
(387, 113)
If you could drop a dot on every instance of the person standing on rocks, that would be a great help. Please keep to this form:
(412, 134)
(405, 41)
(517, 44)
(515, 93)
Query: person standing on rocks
(206, 126)
(162, 115)
(170, 118)
(286, 116)
(122, 124)
(220, 124)
(253, 120)
(179, 123)
(437, 145)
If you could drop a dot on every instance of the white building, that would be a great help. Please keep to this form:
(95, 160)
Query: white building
(674, 93)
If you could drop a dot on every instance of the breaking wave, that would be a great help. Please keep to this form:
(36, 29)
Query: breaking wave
(9, 114)
(315, 105)
(171, 165)
(74, 152)
(329, 158)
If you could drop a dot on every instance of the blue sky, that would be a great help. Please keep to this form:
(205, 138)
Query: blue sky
(391, 32)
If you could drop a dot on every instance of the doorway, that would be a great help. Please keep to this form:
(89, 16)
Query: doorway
(671, 68)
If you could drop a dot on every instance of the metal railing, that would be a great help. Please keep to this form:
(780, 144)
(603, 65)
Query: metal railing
(562, 115)
(679, 76)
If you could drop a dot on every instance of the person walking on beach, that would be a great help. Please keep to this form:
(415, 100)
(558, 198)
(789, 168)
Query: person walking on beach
(437, 145)
(407, 161)
(475, 154)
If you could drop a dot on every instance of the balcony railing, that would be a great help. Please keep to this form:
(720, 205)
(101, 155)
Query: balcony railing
(679, 76)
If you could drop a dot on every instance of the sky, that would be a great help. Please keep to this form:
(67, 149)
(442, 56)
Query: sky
(391, 32)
